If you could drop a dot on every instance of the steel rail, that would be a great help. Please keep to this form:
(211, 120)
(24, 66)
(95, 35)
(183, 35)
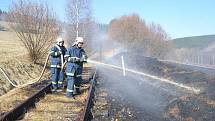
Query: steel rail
(86, 113)
(20, 109)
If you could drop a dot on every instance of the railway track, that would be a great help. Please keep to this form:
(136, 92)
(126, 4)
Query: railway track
(86, 112)
(45, 105)
(134, 97)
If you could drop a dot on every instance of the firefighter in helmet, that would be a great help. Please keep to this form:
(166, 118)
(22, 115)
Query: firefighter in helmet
(57, 75)
(75, 57)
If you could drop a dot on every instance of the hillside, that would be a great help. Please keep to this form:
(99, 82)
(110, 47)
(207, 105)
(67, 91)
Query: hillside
(14, 60)
(194, 42)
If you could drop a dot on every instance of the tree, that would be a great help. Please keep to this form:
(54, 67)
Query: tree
(80, 21)
(2, 14)
(129, 31)
(160, 45)
(136, 36)
(36, 26)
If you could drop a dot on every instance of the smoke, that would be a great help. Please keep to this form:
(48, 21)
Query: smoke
(152, 96)
(143, 92)
(102, 47)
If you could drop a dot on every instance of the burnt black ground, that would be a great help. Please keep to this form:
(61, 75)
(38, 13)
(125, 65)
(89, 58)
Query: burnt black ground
(131, 98)
(138, 98)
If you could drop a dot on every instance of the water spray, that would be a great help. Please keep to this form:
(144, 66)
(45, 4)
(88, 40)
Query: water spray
(188, 88)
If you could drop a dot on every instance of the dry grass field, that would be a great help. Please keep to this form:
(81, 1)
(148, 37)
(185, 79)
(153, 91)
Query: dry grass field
(10, 46)
(14, 60)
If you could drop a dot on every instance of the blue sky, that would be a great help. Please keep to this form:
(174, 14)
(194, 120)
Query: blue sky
(179, 18)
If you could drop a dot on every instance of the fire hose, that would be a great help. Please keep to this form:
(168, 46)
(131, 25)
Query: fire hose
(41, 75)
(76, 58)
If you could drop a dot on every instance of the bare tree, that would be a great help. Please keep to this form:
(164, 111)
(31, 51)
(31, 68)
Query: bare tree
(136, 36)
(160, 45)
(36, 26)
(80, 20)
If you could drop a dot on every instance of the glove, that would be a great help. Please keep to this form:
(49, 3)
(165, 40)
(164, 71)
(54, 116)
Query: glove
(83, 59)
(60, 52)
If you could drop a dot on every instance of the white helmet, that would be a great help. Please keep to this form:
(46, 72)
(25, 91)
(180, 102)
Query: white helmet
(59, 41)
(79, 40)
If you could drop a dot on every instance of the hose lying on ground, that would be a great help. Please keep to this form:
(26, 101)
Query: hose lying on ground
(19, 86)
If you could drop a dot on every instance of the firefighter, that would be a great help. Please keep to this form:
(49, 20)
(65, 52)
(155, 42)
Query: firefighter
(75, 56)
(57, 75)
